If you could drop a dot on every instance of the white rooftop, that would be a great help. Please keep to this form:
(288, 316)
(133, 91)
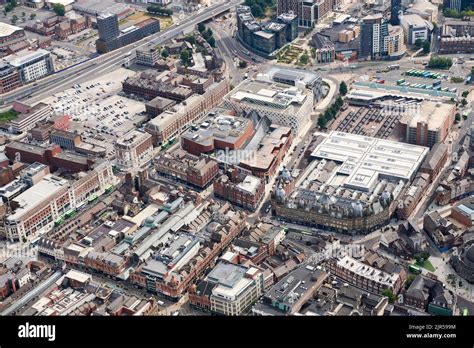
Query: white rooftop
(7, 29)
(364, 159)
(39, 193)
(21, 58)
(250, 184)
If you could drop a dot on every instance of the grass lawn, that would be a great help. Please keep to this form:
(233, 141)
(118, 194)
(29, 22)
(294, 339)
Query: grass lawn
(426, 265)
(7, 116)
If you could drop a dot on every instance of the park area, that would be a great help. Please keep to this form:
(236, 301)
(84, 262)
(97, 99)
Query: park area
(289, 54)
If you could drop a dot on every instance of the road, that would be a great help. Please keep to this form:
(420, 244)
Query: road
(107, 62)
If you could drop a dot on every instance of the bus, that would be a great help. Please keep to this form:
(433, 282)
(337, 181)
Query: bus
(394, 67)
(414, 269)
(436, 83)
(465, 312)
(399, 82)
(92, 198)
(109, 189)
(69, 213)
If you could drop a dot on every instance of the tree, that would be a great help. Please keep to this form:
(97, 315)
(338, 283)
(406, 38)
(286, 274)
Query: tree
(464, 102)
(465, 94)
(426, 47)
(14, 19)
(33, 16)
(191, 39)
(242, 64)
(23, 14)
(313, 52)
(343, 88)
(257, 11)
(201, 27)
(304, 59)
(211, 41)
(457, 117)
(185, 57)
(59, 9)
(419, 43)
(165, 53)
(322, 122)
(388, 293)
(410, 280)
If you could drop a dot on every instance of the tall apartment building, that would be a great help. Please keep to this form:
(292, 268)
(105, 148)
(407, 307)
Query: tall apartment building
(458, 5)
(134, 150)
(37, 209)
(396, 8)
(374, 31)
(308, 12)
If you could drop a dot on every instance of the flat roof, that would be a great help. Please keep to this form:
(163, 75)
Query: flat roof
(21, 58)
(364, 158)
(49, 186)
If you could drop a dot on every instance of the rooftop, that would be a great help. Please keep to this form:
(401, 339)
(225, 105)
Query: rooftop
(7, 29)
(49, 186)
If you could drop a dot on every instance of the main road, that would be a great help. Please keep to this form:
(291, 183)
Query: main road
(106, 62)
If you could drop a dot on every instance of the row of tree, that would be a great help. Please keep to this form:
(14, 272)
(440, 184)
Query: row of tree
(159, 10)
(440, 63)
(207, 34)
(330, 113)
(259, 7)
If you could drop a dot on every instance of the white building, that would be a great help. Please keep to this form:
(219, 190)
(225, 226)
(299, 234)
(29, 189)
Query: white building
(32, 65)
(134, 150)
(238, 288)
(415, 28)
(38, 208)
(283, 105)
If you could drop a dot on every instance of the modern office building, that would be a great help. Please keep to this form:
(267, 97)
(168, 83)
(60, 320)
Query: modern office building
(308, 12)
(415, 28)
(30, 116)
(67, 140)
(284, 105)
(265, 38)
(108, 26)
(148, 56)
(133, 150)
(112, 38)
(32, 65)
(458, 5)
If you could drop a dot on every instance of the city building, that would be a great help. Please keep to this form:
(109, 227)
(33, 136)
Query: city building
(158, 105)
(458, 5)
(416, 28)
(429, 295)
(112, 38)
(364, 276)
(462, 258)
(148, 56)
(265, 38)
(170, 260)
(173, 121)
(9, 78)
(308, 12)
(441, 230)
(32, 65)
(37, 209)
(67, 140)
(219, 131)
(425, 9)
(351, 186)
(10, 35)
(430, 124)
(435, 160)
(288, 295)
(457, 37)
(229, 289)
(395, 11)
(395, 43)
(325, 51)
(240, 188)
(28, 117)
(133, 150)
(374, 33)
(283, 105)
(195, 171)
(463, 212)
(413, 195)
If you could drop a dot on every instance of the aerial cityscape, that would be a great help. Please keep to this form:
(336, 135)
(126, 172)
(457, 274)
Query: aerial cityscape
(236, 158)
